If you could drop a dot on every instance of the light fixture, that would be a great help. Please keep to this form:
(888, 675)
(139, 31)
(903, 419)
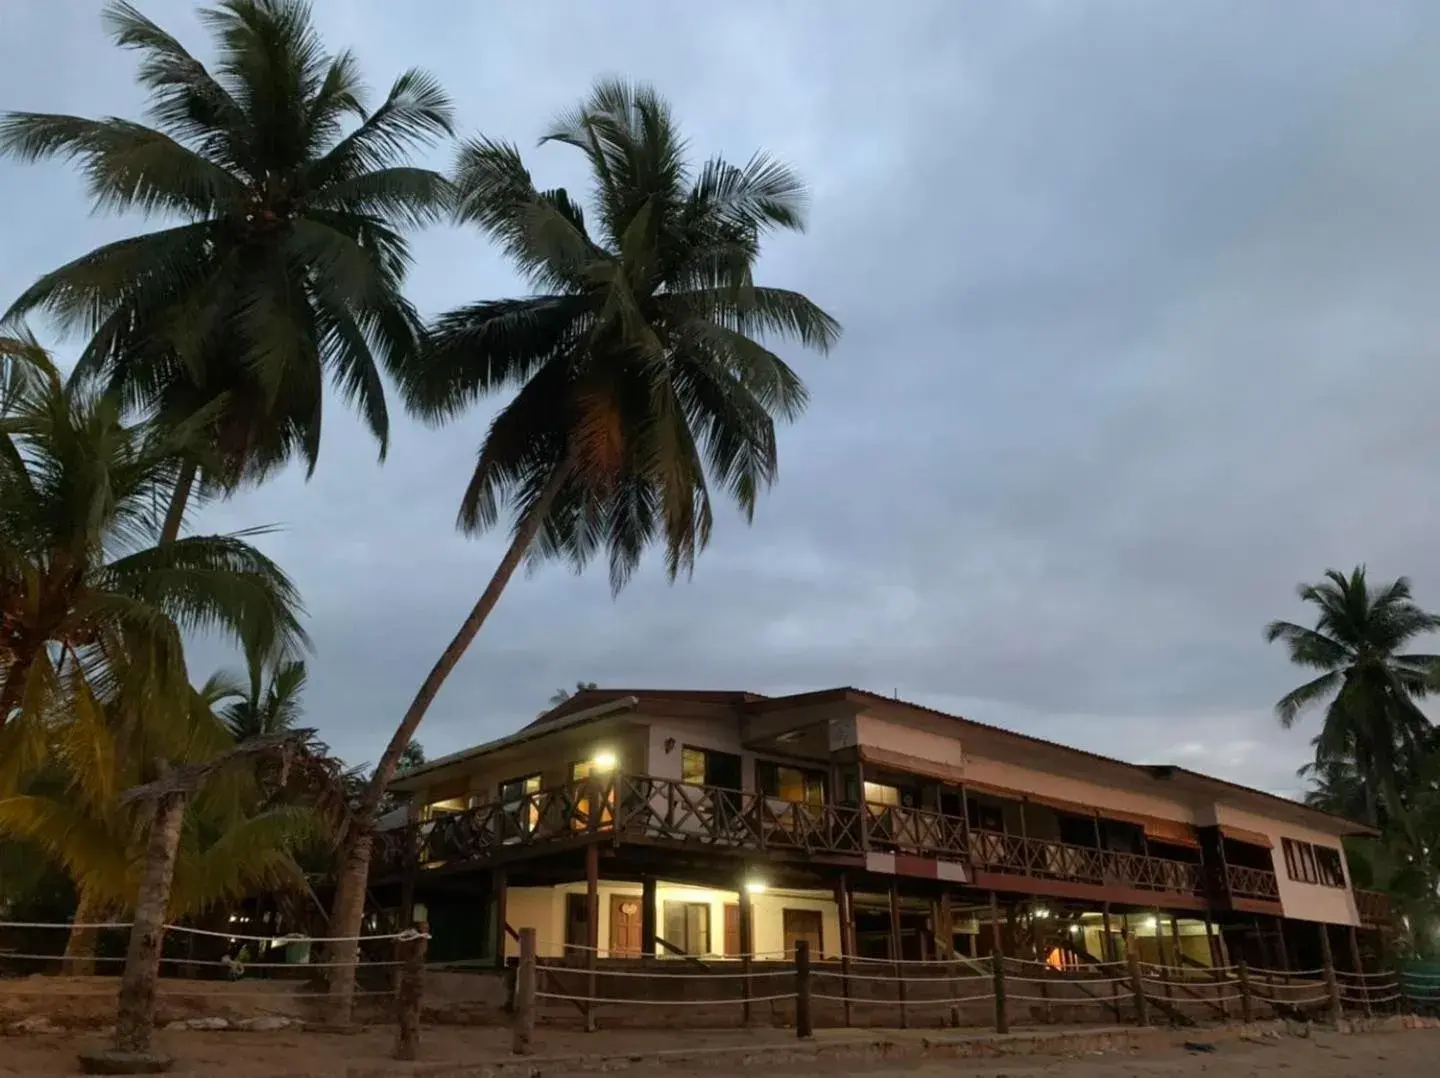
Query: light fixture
(1041, 913)
(603, 761)
(1150, 923)
(233, 918)
(1074, 929)
(755, 887)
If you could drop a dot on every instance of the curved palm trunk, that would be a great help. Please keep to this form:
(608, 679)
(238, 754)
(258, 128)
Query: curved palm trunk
(348, 909)
(136, 1016)
(80, 944)
(175, 515)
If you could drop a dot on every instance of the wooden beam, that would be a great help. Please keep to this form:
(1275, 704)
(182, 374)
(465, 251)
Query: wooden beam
(648, 917)
(592, 927)
(895, 953)
(499, 887)
(847, 942)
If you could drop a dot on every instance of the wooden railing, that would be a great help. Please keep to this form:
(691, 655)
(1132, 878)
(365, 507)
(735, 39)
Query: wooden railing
(1373, 907)
(1257, 883)
(664, 809)
(996, 852)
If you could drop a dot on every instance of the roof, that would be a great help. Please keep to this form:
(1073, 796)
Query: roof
(594, 703)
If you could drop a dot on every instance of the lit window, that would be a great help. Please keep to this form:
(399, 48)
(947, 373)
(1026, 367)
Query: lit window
(692, 767)
(878, 793)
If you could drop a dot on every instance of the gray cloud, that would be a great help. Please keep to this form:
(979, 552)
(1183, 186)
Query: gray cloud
(1138, 301)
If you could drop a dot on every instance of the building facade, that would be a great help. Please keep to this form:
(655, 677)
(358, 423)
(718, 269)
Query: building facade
(709, 825)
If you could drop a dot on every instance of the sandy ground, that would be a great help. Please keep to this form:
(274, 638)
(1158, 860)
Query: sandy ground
(1410, 1054)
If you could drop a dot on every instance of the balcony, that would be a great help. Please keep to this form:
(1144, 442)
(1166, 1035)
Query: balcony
(1257, 884)
(650, 809)
(1373, 907)
(1047, 860)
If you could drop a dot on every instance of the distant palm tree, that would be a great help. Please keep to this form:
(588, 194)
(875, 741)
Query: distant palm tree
(642, 368)
(1372, 717)
(286, 264)
(559, 696)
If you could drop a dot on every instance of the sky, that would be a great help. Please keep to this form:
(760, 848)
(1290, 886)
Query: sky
(1140, 332)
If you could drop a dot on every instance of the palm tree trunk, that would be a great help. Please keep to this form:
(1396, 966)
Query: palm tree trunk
(80, 945)
(348, 909)
(136, 1016)
(175, 515)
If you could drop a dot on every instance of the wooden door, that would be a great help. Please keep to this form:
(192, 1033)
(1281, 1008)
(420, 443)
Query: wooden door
(625, 926)
(732, 930)
(576, 916)
(804, 925)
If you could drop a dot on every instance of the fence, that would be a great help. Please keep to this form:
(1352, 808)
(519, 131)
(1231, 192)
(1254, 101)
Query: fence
(977, 992)
(402, 972)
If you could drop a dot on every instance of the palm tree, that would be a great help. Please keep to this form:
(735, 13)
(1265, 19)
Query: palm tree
(86, 597)
(559, 696)
(1372, 717)
(283, 255)
(641, 364)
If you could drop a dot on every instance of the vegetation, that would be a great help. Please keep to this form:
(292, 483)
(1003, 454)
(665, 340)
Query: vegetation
(1377, 755)
(640, 367)
(283, 254)
(559, 696)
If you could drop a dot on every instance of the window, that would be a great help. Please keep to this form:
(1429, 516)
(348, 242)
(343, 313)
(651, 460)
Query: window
(692, 767)
(580, 771)
(794, 784)
(1309, 863)
(687, 926)
(877, 793)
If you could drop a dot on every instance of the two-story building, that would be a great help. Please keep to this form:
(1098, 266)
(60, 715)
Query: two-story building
(714, 824)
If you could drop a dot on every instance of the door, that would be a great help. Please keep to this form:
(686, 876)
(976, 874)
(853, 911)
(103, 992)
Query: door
(625, 927)
(576, 917)
(732, 930)
(804, 925)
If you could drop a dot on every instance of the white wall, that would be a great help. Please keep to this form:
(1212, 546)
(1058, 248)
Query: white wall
(543, 909)
(696, 733)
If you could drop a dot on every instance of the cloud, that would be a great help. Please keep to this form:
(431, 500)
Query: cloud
(1139, 333)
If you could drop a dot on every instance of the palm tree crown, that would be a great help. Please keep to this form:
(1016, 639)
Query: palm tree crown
(284, 256)
(640, 361)
(1372, 717)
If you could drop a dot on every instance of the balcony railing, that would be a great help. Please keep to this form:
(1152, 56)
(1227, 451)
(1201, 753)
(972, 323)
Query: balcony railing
(663, 809)
(1373, 907)
(1256, 883)
(996, 852)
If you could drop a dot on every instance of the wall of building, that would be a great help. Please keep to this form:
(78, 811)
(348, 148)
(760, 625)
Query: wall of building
(543, 908)
(991, 772)
(720, 736)
(1302, 901)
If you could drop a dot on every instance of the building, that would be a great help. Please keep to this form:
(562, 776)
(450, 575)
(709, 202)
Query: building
(714, 824)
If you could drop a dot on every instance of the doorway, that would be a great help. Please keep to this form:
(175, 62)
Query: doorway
(804, 925)
(626, 932)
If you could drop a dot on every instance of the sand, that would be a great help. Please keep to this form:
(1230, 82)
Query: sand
(1410, 1054)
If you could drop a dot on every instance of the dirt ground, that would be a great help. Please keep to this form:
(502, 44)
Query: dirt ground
(1410, 1054)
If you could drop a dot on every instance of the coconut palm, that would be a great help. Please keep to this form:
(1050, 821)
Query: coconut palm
(1372, 717)
(232, 844)
(282, 254)
(86, 597)
(641, 364)
(559, 696)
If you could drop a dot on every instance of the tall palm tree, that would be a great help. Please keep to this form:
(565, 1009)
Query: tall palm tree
(641, 365)
(282, 256)
(86, 597)
(1372, 717)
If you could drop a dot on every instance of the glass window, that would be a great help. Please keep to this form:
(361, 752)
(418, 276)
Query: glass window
(797, 785)
(692, 767)
(521, 807)
(687, 926)
(878, 793)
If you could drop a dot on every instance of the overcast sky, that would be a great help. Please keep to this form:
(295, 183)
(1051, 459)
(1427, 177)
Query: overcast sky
(1140, 308)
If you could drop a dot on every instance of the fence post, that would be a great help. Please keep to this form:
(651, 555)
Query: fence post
(804, 1028)
(1332, 986)
(1359, 966)
(1002, 1016)
(526, 984)
(1247, 1007)
(411, 994)
(1142, 1009)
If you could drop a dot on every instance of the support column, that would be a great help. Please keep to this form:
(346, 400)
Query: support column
(846, 914)
(747, 948)
(1107, 942)
(895, 953)
(592, 927)
(1358, 968)
(648, 917)
(1175, 941)
(997, 962)
(498, 884)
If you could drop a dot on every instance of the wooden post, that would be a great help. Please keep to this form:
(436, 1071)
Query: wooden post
(1137, 985)
(411, 994)
(997, 964)
(498, 884)
(945, 914)
(648, 917)
(895, 954)
(1247, 1007)
(1359, 967)
(747, 952)
(1332, 986)
(592, 927)
(526, 983)
(804, 1029)
(1107, 942)
(847, 942)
